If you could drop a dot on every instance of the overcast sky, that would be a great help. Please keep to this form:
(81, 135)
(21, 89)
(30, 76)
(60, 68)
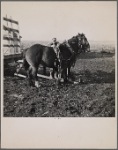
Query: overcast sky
(45, 20)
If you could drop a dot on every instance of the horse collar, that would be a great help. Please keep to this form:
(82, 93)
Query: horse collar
(70, 47)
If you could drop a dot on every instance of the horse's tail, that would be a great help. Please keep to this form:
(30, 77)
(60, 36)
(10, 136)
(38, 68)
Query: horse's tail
(25, 64)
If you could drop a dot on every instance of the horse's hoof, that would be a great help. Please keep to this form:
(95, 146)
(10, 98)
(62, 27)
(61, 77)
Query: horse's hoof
(51, 77)
(81, 81)
(61, 80)
(37, 84)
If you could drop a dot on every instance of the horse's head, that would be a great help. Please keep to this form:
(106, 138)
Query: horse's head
(86, 46)
(83, 44)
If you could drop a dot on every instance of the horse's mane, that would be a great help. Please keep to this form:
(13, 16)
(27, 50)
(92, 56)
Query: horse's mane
(64, 42)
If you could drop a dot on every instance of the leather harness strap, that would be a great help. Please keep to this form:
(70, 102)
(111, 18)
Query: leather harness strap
(70, 48)
(72, 51)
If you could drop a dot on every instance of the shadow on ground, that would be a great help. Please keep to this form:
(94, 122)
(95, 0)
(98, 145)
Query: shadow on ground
(96, 77)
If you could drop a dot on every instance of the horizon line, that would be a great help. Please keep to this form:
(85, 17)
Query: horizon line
(63, 40)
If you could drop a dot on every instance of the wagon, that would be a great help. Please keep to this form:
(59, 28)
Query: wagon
(11, 43)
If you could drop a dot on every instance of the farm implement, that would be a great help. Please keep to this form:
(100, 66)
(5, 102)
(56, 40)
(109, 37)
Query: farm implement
(20, 71)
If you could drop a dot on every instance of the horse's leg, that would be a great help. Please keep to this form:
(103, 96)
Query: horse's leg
(28, 70)
(34, 74)
(69, 71)
(55, 73)
(29, 75)
(69, 74)
(52, 73)
(44, 70)
(66, 75)
(70, 78)
(60, 75)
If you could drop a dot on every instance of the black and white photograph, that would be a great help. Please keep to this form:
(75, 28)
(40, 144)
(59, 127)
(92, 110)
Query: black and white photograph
(59, 59)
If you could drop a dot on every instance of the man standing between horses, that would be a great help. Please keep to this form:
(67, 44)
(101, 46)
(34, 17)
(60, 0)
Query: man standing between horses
(55, 44)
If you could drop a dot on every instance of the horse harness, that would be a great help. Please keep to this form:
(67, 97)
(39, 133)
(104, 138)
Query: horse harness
(72, 52)
(59, 60)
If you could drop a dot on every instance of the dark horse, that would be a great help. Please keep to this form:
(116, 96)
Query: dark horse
(69, 50)
(40, 54)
